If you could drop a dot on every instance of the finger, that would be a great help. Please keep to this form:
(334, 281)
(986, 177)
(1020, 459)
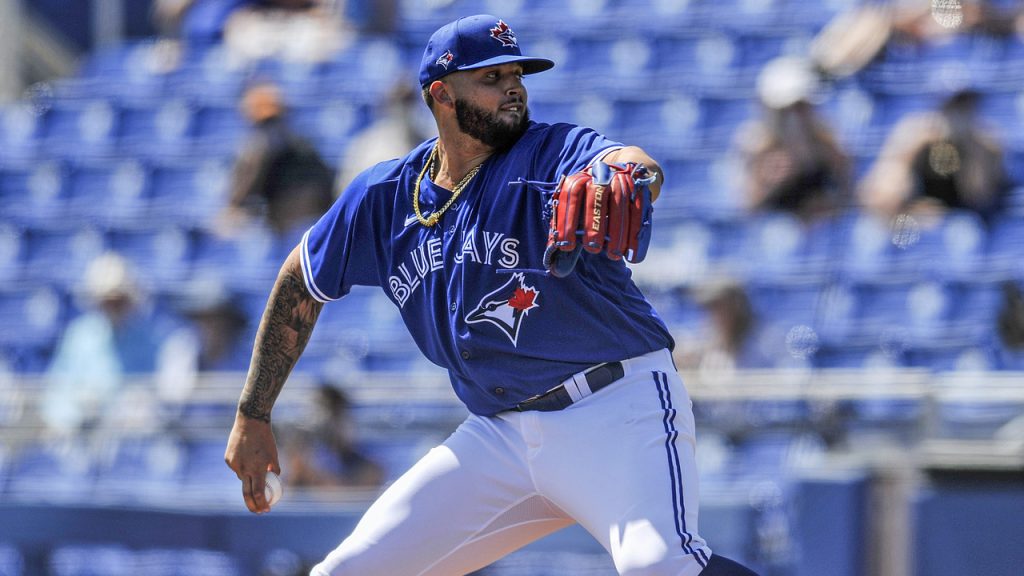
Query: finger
(618, 216)
(259, 494)
(247, 495)
(640, 225)
(568, 211)
(595, 216)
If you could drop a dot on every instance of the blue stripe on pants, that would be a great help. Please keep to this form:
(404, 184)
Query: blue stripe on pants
(678, 505)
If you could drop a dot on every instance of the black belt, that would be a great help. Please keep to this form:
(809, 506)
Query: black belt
(558, 397)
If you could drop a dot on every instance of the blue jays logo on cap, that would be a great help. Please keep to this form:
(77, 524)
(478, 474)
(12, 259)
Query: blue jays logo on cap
(445, 60)
(474, 42)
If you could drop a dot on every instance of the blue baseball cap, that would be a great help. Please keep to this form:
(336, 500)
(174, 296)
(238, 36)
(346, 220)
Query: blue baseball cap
(474, 42)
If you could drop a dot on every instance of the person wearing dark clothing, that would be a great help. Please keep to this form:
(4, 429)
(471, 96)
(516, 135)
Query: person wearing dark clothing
(279, 173)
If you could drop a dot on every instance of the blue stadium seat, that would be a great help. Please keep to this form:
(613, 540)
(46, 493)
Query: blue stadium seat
(782, 247)
(74, 128)
(912, 312)
(947, 246)
(702, 186)
(1006, 246)
(164, 253)
(219, 129)
(366, 70)
(245, 262)
(155, 128)
(602, 60)
(421, 17)
(33, 192)
(128, 70)
(953, 355)
(60, 256)
(897, 418)
(31, 317)
(188, 191)
(186, 562)
(94, 560)
(19, 130)
(722, 116)
(116, 560)
(975, 305)
(853, 353)
(330, 124)
(107, 192)
(397, 453)
(12, 563)
(51, 472)
(140, 470)
(705, 62)
(774, 452)
(209, 77)
(12, 248)
(658, 119)
(792, 302)
(206, 478)
(758, 48)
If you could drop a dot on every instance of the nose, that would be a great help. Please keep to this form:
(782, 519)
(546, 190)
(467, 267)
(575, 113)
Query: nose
(516, 92)
(516, 87)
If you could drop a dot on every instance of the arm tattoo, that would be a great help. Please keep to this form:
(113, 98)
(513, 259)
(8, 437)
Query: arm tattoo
(284, 331)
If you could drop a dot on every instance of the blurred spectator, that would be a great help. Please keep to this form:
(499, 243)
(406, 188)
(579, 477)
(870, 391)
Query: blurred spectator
(1011, 317)
(219, 325)
(321, 453)
(792, 161)
(938, 160)
(198, 23)
(278, 173)
(727, 340)
(292, 30)
(377, 17)
(213, 340)
(119, 337)
(399, 129)
(857, 37)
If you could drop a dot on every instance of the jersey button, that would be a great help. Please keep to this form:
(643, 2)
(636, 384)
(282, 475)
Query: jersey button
(454, 306)
(466, 355)
(451, 229)
(499, 390)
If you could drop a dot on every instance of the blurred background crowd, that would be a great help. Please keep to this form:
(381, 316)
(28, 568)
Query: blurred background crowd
(837, 252)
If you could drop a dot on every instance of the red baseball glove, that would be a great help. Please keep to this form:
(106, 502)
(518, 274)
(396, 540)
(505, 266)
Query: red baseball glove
(603, 208)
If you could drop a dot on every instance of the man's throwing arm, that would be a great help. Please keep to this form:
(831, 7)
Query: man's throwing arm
(284, 331)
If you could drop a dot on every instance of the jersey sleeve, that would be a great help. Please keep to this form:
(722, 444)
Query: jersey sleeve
(575, 147)
(337, 251)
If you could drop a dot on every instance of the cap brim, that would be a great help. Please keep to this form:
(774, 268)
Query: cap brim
(530, 65)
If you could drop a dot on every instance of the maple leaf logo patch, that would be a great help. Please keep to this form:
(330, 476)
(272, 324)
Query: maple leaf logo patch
(506, 307)
(502, 33)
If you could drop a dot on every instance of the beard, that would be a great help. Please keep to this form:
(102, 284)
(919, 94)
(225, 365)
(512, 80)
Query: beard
(487, 128)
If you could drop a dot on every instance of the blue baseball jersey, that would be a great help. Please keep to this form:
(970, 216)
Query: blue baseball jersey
(471, 289)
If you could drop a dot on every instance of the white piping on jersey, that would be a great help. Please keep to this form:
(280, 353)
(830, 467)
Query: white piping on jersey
(307, 272)
(600, 155)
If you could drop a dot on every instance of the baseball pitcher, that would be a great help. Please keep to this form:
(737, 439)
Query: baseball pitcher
(503, 242)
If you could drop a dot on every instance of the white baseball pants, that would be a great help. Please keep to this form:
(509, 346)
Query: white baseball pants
(619, 462)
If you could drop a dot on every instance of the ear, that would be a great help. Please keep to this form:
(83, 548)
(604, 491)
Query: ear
(441, 93)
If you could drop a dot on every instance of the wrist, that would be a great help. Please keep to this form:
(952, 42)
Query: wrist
(249, 412)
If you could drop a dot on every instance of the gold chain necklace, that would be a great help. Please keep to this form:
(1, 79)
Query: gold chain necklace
(436, 215)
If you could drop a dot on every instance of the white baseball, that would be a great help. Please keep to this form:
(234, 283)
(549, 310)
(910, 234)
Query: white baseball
(272, 488)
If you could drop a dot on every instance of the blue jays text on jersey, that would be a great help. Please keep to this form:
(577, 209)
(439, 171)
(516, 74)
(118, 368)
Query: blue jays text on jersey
(469, 288)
